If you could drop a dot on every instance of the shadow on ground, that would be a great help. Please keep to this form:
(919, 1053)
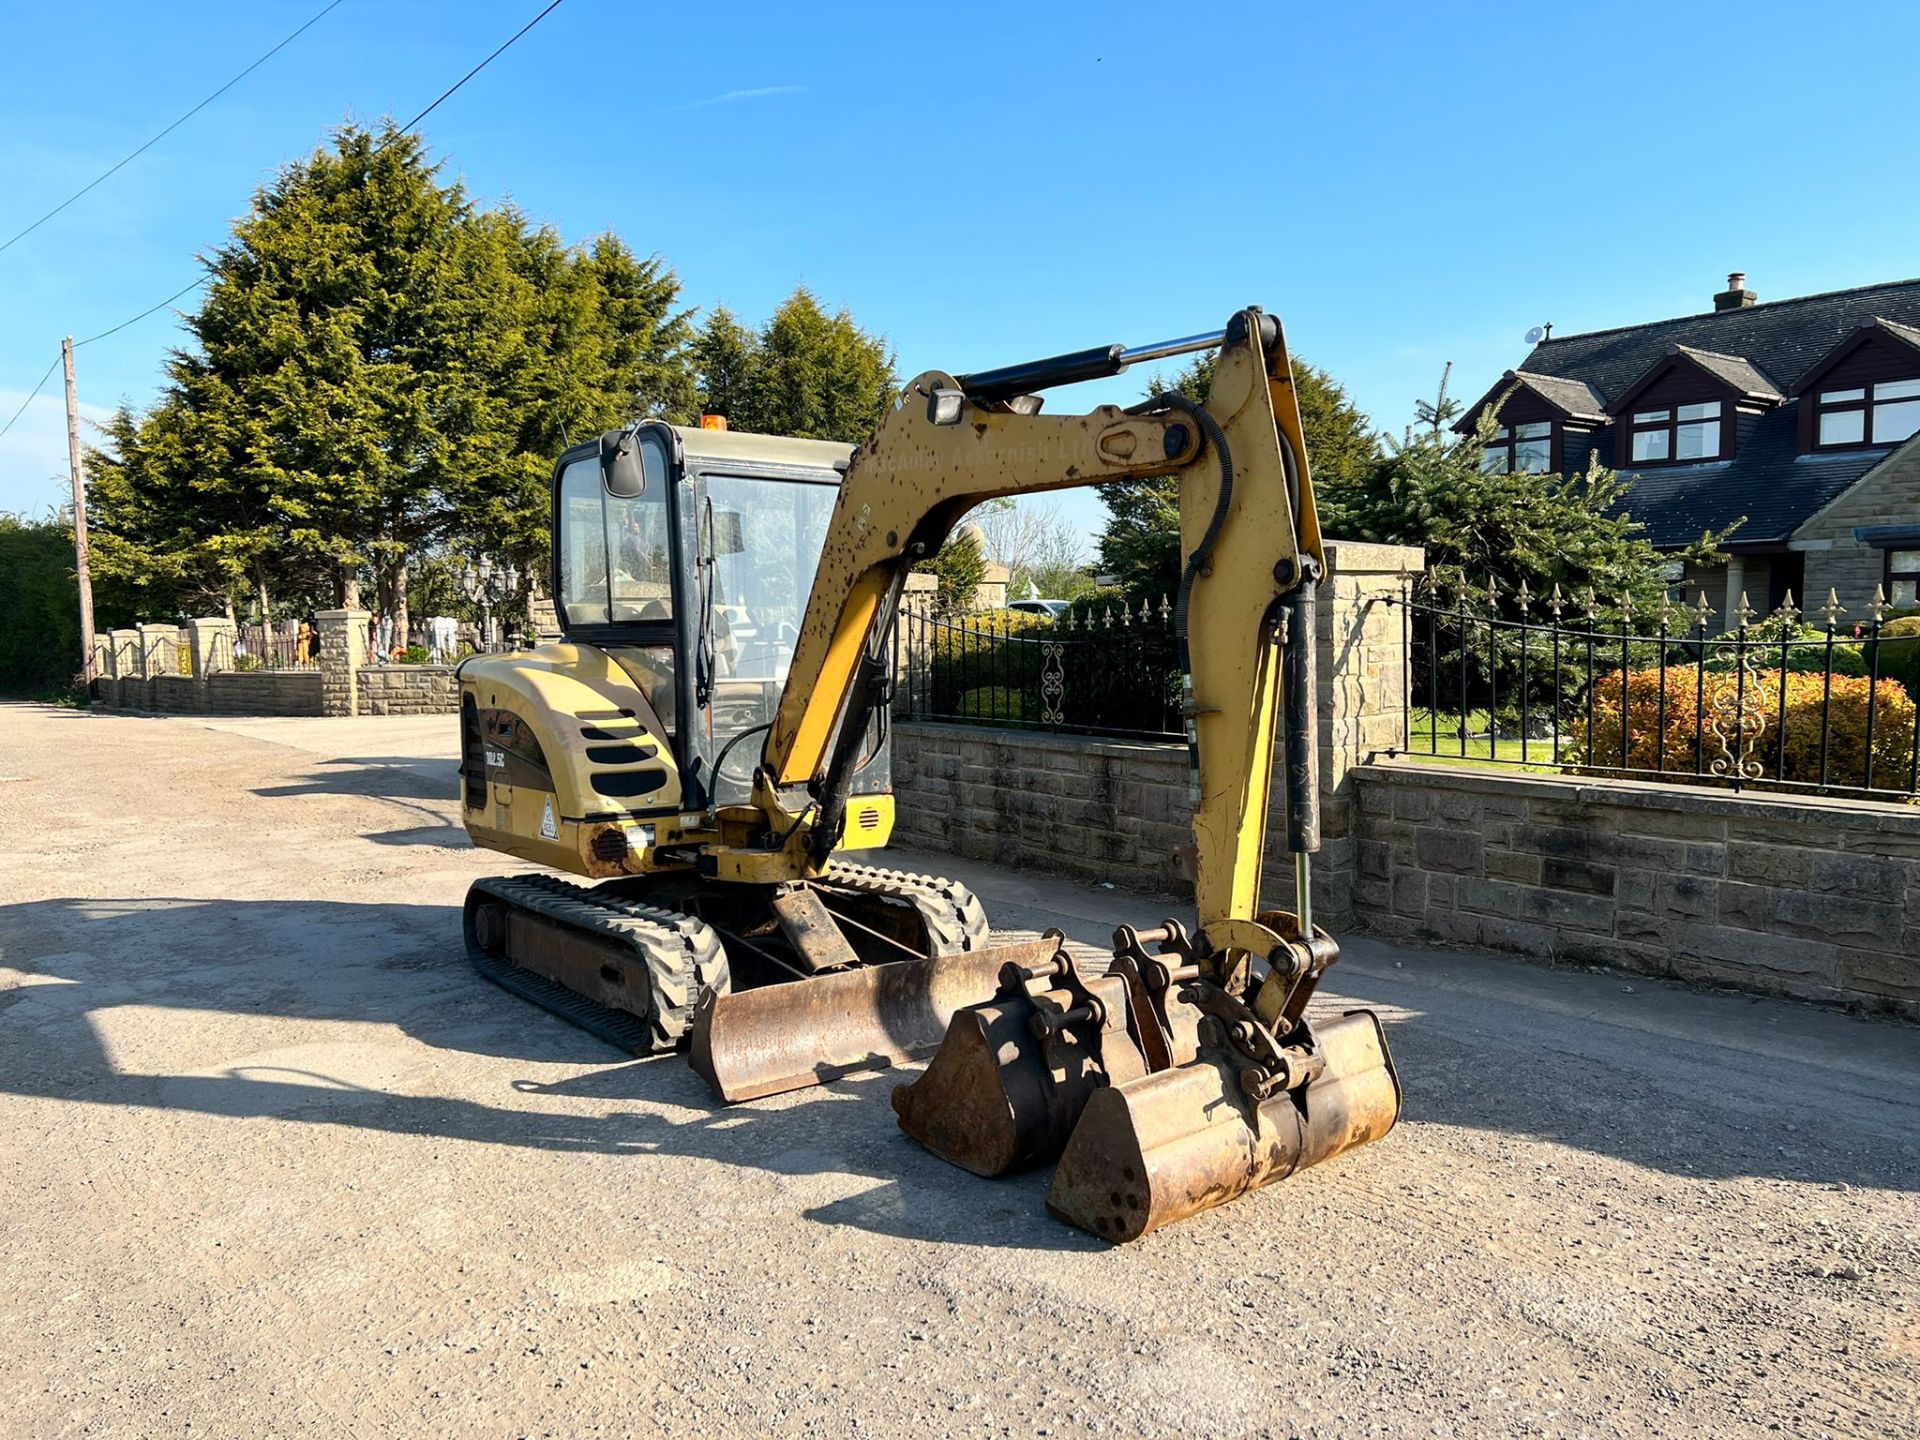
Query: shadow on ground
(401, 780)
(382, 777)
(1703, 1110)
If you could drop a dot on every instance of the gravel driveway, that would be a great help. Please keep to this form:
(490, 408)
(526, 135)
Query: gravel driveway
(273, 1162)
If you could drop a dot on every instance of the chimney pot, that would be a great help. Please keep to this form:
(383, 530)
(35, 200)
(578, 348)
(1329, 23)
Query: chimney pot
(1736, 296)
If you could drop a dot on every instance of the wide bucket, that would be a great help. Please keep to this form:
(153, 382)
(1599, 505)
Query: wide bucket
(1180, 1141)
(806, 1032)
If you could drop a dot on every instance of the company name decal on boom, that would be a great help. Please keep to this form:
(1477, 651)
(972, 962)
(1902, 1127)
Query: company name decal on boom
(548, 830)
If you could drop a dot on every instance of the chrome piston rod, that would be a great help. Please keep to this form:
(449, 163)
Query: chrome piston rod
(1070, 369)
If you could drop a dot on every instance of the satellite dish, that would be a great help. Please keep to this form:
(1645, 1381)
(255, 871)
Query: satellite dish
(1536, 334)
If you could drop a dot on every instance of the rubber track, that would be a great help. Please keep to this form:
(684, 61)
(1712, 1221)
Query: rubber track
(681, 954)
(956, 921)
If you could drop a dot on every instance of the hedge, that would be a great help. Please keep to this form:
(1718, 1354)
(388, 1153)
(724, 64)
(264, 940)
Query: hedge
(1692, 697)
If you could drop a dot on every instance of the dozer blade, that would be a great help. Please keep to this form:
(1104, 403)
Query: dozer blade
(806, 1032)
(1172, 1144)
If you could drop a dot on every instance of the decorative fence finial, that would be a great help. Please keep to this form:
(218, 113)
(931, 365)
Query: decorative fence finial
(1787, 612)
(1557, 603)
(1879, 608)
(1703, 612)
(1833, 609)
(1745, 613)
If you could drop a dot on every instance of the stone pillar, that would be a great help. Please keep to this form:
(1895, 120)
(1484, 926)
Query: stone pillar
(1736, 587)
(211, 643)
(343, 650)
(1365, 679)
(159, 650)
(126, 654)
(102, 657)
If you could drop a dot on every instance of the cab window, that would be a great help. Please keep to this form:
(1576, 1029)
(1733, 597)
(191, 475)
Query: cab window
(616, 563)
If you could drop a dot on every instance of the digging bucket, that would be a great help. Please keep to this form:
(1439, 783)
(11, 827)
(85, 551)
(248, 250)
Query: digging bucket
(805, 1032)
(1003, 1092)
(1171, 1144)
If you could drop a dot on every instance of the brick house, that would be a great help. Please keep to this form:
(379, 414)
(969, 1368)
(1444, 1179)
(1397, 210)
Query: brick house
(1801, 415)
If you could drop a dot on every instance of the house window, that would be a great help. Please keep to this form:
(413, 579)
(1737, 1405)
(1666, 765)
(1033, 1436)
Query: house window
(1684, 432)
(1903, 578)
(1521, 448)
(1886, 417)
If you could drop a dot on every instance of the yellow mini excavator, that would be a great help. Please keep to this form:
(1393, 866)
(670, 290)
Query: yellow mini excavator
(719, 589)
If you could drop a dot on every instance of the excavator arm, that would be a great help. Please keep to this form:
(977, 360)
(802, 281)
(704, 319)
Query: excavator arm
(1253, 556)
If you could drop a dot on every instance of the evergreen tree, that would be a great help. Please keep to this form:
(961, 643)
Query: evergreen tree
(39, 606)
(804, 373)
(380, 370)
(1428, 488)
(959, 567)
(1140, 545)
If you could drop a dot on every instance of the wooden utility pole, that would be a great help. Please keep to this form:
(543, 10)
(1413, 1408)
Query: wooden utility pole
(81, 573)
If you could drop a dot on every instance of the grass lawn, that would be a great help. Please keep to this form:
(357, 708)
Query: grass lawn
(1437, 741)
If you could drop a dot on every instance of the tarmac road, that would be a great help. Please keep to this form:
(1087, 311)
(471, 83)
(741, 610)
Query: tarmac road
(273, 1162)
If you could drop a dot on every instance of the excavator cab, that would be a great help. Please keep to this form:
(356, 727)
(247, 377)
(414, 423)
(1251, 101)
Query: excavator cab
(687, 556)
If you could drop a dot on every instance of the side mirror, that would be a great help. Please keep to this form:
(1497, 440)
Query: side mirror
(620, 466)
(729, 537)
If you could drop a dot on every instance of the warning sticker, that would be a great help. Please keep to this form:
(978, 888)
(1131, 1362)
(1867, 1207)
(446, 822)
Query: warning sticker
(548, 830)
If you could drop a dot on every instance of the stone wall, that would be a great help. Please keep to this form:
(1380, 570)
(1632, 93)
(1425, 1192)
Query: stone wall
(408, 690)
(1805, 897)
(1117, 810)
(138, 671)
(1096, 809)
(1889, 494)
(241, 692)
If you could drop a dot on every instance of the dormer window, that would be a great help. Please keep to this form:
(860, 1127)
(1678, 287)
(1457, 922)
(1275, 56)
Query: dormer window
(1519, 449)
(1883, 413)
(1681, 432)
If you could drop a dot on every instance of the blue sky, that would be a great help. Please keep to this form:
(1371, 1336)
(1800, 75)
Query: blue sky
(1405, 184)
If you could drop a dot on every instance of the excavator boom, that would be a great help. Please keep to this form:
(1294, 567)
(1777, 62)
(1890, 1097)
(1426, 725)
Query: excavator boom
(1199, 1061)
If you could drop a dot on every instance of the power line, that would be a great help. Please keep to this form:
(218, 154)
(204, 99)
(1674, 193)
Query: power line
(482, 65)
(29, 400)
(144, 313)
(152, 309)
(175, 125)
(502, 49)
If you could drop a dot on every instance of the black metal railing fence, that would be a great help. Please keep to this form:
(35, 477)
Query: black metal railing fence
(1590, 687)
(1114, 670)
(285, 645)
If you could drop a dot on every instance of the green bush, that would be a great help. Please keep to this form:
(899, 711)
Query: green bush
(1804, 646)
(39, 607)
(414, 655)
(1897, 653)
(1695, 723)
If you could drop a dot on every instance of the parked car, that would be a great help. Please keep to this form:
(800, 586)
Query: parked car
(1052, 609)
